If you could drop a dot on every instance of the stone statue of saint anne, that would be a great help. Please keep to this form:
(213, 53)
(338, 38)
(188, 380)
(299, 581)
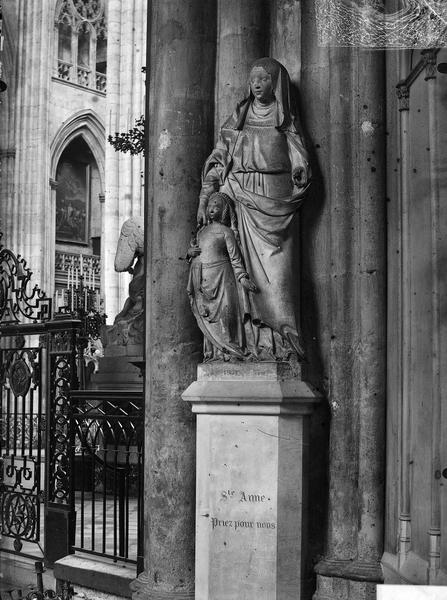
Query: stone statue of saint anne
(261, 164)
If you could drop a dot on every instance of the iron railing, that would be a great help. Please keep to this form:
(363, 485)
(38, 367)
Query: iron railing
(63, 452)
(107, 476)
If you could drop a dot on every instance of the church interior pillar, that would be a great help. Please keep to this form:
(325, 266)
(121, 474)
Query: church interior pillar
(243, 36)
(111, 206)
(181, 61)
(285, 40)
(344, 237)
(126, 45)
(30, 192)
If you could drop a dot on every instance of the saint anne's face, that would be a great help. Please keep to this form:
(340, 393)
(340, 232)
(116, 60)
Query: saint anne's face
(215, 209)
(261, 85)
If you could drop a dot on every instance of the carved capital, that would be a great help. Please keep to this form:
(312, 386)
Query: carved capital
(403, 95)
(102, 198)
(53, 183)
(430, 64)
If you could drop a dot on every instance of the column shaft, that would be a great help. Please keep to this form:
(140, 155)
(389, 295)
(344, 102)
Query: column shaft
(27, 223)
(344, 237)
(180, 109)
(243, 34)
(125, 103)
(110, 279)
(285, 41)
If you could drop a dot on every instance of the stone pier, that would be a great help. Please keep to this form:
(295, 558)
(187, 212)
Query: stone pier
(345, 271)
(181, 64)
(243, 36)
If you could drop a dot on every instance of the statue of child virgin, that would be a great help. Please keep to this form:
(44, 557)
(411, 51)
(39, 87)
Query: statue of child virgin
(218, 283)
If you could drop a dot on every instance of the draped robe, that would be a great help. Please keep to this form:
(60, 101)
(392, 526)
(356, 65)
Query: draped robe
(255, 165)
(214, 290)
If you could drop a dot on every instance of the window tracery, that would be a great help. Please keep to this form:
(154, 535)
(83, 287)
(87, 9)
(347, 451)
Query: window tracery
(82, 43)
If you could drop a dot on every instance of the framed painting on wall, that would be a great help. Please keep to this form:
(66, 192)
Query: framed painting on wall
(72, 202)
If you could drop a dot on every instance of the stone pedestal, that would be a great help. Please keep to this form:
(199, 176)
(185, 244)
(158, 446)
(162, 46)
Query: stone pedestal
(252, 444)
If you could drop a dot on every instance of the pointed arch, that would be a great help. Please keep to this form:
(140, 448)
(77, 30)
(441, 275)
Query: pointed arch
(89, 126)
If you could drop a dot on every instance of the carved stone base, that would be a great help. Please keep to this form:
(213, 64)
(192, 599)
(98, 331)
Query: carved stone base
(143, 589)
(335, 588)
(347, 580)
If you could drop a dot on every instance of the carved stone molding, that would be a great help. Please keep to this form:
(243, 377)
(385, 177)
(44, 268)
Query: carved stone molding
(8, 153)
(403, 95)
(355, 570)
(430, 64)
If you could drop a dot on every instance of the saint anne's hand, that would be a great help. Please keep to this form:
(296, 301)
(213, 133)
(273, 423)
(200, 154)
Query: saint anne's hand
(248, 285)
(300, 178)
(201, 216)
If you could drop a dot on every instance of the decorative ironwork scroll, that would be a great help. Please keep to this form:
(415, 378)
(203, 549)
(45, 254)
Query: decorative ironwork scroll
(40, 362)
(18, 301)
(22, 438)
(20, 515)
(63, 378)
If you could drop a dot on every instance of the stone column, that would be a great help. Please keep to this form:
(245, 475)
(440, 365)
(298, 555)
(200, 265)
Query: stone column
(28, 192)
(112, 162)
(349, 288)
(285, 40)
(243, 34)
(181, 90)
(7, 141)
(111, 206)
(125, 103)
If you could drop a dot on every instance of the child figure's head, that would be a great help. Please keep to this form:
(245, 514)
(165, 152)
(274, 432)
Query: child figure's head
(219, 209)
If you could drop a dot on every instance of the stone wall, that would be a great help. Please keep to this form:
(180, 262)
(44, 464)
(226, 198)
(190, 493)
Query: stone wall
(39, 110)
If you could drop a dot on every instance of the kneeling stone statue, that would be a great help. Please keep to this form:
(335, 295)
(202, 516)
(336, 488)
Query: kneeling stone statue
(128, 327)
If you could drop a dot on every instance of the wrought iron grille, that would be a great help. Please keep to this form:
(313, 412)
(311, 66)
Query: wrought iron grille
(40, 358)
(63, 367)
(19, 302)
(71, 460)
(108, 473)
(22, 439)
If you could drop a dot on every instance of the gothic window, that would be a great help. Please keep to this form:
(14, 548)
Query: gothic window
(64, 45)
(82, 43)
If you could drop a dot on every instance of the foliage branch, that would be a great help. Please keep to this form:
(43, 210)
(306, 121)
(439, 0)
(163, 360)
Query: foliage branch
(132, 141)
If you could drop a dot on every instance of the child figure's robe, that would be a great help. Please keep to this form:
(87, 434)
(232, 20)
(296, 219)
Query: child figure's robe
(215, 292)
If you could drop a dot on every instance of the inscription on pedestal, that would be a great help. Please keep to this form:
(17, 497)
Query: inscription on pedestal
(239, 524)
(252, 438)
(238, 507)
